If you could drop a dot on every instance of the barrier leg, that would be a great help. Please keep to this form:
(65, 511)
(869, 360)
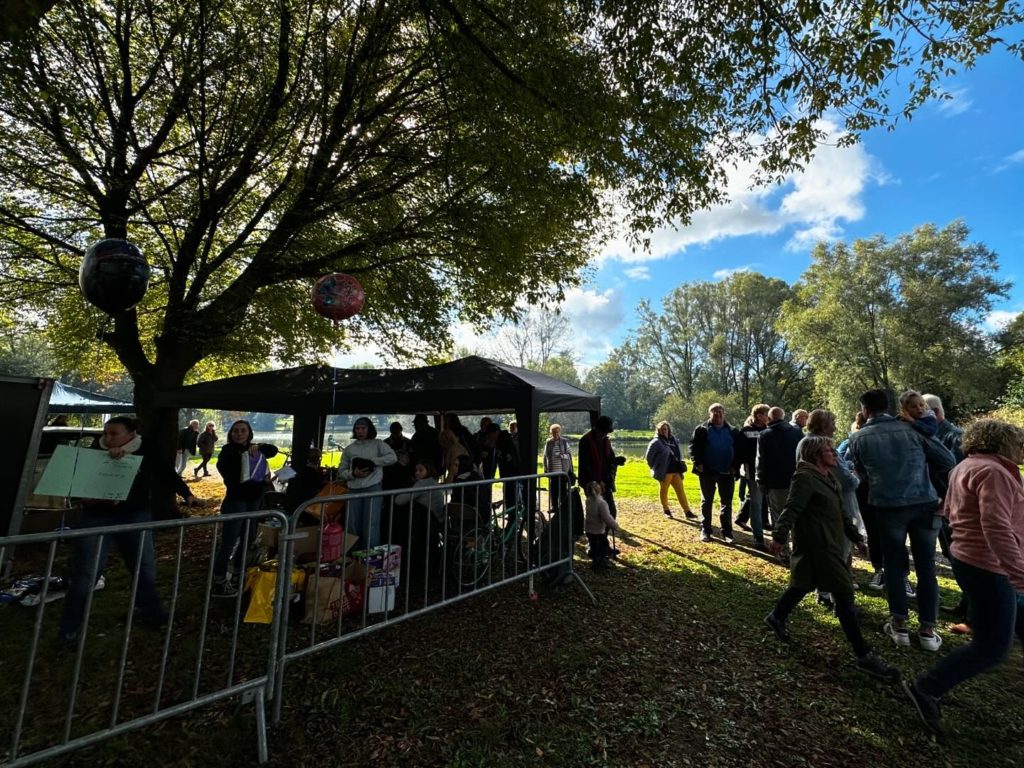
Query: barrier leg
(261, 726)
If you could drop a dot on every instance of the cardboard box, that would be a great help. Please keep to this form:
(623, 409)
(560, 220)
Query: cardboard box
(383, 566)
(306, 544)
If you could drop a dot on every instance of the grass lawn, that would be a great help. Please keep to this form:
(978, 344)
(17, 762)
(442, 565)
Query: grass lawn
(672, 668)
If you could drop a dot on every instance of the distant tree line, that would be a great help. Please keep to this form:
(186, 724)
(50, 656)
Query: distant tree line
(897, 314)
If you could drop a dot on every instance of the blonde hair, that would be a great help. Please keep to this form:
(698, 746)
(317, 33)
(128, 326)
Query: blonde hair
(819, 420)
(906, 397)
(551, 429)
(759, 409)
(812, 446)
(660, 424)
(993, 436)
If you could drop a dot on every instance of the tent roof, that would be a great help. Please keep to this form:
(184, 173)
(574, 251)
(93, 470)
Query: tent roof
(68, 399)
(470, 385)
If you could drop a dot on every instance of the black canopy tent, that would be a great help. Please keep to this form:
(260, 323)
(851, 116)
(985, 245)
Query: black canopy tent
(470, 385)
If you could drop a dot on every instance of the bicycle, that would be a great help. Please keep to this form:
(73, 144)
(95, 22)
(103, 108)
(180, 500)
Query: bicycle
(477, 547)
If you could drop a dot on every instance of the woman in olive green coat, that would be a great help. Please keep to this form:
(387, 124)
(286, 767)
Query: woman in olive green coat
(814, 514)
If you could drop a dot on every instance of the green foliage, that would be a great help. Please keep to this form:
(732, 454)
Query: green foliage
(23, 348)
(1010, 343)
(627, 394)
(686, 413)
(899, 314)
(434, 149)
(723, 336)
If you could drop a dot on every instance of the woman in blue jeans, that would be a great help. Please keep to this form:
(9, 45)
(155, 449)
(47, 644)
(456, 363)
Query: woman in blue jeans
(985, 504)
(246, 478)
(120, 439)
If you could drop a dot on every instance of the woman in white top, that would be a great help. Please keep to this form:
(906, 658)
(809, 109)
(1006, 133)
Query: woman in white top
(362, 465)
(558, 458)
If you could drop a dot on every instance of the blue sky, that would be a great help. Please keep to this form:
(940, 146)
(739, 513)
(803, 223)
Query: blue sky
(959, 158)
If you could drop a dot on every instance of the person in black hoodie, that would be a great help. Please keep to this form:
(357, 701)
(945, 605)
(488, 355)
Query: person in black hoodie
(243, 468)
(776, 461)
(120, 439)
(753, 506)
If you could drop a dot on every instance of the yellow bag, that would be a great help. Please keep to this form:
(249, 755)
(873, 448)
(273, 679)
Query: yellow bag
(261, 582)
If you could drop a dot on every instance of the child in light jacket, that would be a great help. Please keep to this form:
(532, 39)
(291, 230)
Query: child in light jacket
(599, 521)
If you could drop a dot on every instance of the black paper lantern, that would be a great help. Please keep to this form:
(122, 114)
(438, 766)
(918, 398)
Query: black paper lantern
(114, 275)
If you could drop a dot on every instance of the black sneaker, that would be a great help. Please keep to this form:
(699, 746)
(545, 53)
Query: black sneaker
(705, 537)
(225, 589)
(780, 628)
(927, 709)
(744, 526)
(727, 537)
(870, 664)
(667, 513)
(689, 515)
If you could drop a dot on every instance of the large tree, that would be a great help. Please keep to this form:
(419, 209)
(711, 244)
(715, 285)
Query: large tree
(896, 314)
(435, 148)
(723, 337)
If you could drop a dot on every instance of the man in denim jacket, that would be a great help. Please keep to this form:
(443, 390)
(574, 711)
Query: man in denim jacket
(896, 458)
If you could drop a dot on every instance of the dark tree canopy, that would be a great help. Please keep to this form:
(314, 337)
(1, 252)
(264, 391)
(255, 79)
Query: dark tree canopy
(455, 155)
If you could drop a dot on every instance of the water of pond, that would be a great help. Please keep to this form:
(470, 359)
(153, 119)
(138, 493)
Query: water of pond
(633, 448)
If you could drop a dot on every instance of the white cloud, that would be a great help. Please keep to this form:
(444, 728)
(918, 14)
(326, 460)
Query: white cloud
(722, 274)
(638, 273)
(998, 319)
(957, 103)
(1014, 158)
(813, 204)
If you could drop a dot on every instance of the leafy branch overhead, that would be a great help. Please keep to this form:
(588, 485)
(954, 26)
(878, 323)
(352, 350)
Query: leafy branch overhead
(456, 155)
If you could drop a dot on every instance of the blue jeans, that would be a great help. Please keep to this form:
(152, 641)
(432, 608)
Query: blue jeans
(363, 517)
(724, 484)
(993, 614)
(920, 522)
(231, 532)
(755, 498)
(83, 572)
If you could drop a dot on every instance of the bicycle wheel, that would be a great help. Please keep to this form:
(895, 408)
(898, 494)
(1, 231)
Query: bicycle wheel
(527, 549)
(471, 557)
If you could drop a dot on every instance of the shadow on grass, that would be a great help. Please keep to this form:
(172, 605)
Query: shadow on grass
(672, 667)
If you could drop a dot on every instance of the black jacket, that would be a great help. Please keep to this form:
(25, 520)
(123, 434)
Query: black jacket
(229, 465)
(748, 450)
(699, 444)
(776, 455)
(187, 440)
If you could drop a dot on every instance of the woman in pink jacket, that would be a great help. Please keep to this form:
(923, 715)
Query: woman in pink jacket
(985, 505)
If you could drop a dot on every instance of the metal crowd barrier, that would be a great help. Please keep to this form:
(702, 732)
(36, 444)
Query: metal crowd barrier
(471, 544)
(438, 546)
(200, 667)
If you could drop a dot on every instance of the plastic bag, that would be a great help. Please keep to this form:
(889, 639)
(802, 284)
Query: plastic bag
(261, 582)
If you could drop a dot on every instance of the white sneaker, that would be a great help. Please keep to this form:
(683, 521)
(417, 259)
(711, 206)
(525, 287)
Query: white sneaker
(899, 636)
(931, 642)
(101, 583)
